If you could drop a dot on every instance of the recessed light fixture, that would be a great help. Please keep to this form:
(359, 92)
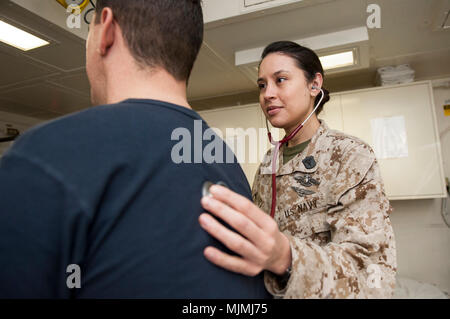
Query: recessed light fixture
(337, 60)
(339, 51)
(18, 38)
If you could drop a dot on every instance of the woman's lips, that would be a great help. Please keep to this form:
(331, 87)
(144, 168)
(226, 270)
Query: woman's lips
(272, 110)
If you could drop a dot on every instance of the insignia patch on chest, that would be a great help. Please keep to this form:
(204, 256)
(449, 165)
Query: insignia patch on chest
(302, 192)
(306, 180)
(309, 162)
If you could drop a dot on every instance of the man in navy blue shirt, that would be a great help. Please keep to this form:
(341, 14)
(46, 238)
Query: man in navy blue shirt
(98, 204)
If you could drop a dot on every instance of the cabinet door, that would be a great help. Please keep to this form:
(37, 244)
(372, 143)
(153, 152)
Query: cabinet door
(332, 113)
(420, 174)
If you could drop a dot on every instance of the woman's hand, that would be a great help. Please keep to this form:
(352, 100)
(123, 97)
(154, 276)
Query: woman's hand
(258, 241)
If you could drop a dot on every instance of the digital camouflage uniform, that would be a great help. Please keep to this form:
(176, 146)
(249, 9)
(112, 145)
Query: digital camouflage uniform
(332, 206)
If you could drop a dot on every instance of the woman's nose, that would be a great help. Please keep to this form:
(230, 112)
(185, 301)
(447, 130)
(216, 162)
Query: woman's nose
(269, 92)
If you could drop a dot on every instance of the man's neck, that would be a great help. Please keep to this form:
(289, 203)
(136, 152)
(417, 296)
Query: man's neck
(144, 84)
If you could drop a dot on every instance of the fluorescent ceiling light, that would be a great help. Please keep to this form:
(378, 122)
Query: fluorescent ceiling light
(337, 60)
(18, 38)
(319, 42)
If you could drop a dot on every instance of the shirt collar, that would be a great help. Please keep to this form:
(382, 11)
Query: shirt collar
(297, 164)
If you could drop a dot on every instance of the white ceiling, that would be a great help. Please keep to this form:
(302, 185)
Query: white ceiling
(47, 82)
(50, 81)
(406, 36)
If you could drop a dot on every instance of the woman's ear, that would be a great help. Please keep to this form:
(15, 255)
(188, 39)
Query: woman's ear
(316, 84)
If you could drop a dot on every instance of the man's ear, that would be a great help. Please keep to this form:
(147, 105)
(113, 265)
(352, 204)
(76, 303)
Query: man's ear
(107, 30)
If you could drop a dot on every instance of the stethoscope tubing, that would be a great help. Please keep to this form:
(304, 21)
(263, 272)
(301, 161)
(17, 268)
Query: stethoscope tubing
(277, 147)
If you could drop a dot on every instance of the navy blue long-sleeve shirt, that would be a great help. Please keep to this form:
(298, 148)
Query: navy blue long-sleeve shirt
(100, 189)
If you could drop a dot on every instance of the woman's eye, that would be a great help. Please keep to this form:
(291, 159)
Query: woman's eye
(280, 80)
(261, 86)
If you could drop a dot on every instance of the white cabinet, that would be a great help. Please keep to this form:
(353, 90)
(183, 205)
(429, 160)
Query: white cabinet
(419, 174)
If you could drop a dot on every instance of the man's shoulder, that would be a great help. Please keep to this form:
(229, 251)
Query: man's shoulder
(86, 131)
(98, 116)
(57, 129)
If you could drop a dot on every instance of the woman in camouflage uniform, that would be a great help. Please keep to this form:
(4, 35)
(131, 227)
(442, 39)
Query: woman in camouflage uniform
(331, 235)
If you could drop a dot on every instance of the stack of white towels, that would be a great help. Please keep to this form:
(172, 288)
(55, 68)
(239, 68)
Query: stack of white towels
(390, 75)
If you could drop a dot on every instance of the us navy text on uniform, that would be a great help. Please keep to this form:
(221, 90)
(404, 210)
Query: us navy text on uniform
(332, 206)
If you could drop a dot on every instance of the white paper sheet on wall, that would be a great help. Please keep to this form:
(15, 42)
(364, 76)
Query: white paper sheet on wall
(389, 138)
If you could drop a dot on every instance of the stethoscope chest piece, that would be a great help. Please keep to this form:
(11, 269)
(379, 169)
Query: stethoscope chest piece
(207, 185)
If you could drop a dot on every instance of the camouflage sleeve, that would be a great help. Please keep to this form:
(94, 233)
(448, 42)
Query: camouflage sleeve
(255, 195)
(360, 259)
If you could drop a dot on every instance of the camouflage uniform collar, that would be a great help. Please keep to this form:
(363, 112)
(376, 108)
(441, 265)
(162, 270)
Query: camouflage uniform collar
(305, 162)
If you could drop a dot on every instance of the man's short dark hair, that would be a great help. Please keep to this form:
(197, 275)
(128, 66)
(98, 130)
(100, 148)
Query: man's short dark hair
(160, 33)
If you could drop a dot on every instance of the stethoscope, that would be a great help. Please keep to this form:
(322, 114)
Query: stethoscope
(277, 148)
(208, 184)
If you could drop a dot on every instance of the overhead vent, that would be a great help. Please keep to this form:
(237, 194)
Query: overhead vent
(247, 6)
(220, 12)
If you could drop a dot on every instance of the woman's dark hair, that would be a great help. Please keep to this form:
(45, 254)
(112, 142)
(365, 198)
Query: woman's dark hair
(306, 59)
